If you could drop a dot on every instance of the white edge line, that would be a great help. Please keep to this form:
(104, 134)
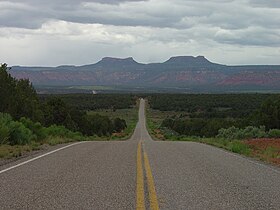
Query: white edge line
(40, 156)
(255, 162)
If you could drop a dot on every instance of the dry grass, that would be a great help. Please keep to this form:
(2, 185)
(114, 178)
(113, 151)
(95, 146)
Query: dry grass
(8, 151)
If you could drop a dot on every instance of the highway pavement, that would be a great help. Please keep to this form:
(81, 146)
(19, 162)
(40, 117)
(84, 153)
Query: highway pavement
(139, 174)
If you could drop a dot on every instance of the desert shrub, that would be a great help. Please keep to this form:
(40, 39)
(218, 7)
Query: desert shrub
(119, 124)
(274, 133)
(61, 131)
(228, 133)
(13, 132)
(57, 130)
(98, 125)
(237, 133)
(36, 128)
(197, 126)
(26, 131)
(75, 136)
(19, 134)
(253, 132)
(212, 126)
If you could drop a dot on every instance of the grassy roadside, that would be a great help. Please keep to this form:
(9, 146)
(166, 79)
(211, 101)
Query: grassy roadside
(15, 151)
(155, 118)
(267, 150)
(130, 115)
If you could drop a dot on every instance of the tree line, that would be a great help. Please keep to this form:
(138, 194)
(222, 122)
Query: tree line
(98, 101)
(210, 105)
(24, 115)
(205, 115)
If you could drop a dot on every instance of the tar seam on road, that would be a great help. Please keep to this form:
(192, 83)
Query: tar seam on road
(48, 153)
(151, 185)
(140, 200)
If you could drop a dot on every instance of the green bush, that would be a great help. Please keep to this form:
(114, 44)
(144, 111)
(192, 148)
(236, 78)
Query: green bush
(119, 124)
(5, 120)
(229, 133)
(61, 131)
(240, 148)
(20, 134)
(253, 132)
(274, 133)
(37, 129)
(25, 131)
(57, 130)
(268, 113)
(98, 125)
(237, 133)
(197, 126)
(4, 134)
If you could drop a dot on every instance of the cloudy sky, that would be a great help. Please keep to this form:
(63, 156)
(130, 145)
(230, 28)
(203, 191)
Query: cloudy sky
(55, 32)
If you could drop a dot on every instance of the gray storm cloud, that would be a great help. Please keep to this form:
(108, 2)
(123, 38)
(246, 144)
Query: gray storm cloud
(219, 29)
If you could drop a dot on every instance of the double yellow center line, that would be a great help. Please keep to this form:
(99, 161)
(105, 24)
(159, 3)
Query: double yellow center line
(140, 195)
(140, 198)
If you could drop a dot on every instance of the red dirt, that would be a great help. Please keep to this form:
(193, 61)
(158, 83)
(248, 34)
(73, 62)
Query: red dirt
(121, 134)
(259, 149)
(158, 134)
(263, 143)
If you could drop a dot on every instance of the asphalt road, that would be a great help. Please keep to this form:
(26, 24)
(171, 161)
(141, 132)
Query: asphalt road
(139, 173)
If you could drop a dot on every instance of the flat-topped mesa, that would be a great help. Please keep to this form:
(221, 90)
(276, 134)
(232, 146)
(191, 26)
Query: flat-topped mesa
(192, 73)
(117, 61)
(189, 61)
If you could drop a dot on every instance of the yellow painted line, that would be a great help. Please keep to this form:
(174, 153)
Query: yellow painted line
(151, 185)
(140, 198)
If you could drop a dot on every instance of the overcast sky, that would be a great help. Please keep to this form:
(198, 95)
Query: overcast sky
(55, 32)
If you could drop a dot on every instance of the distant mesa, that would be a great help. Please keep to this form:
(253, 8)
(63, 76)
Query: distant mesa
(189, 60)
(111, 61)
(176, 60)
(193, 73)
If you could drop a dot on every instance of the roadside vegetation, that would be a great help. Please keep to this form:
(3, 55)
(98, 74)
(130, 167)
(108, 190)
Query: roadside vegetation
(130, 117)
(247, 124)
(29, 121)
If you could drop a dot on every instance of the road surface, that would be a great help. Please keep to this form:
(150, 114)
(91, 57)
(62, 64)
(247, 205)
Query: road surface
(139, 174)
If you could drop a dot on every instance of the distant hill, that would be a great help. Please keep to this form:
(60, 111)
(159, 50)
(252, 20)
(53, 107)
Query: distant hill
(188, 72)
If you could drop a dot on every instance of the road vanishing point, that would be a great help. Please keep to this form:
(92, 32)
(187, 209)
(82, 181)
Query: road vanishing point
(139, 174)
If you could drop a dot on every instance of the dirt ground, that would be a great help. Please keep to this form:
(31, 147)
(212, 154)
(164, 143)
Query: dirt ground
(266, 149)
